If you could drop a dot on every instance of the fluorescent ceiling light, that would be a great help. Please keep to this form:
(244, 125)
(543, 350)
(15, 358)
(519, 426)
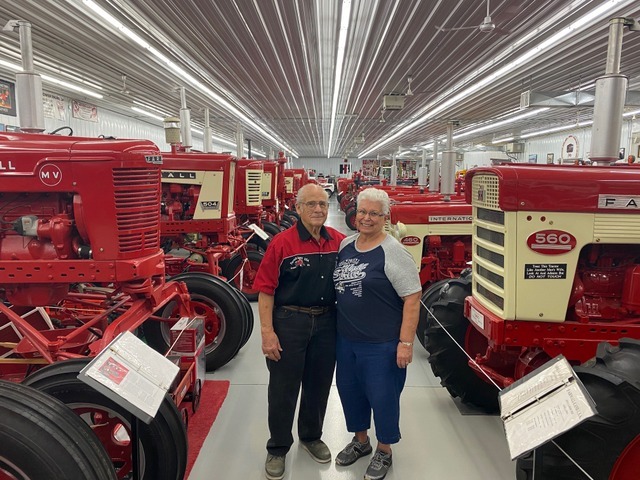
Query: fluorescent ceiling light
(461, 90)
(147, 114)
(342, 42)
(182, 73)
(503, 140)
(56, 81)
(499, 123)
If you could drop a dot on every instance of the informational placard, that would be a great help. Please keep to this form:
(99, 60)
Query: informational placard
(131, 374)
(542, 405)
(545, 271)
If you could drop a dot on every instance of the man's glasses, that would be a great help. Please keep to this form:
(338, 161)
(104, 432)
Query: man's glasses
(372, 214)
(313, 204)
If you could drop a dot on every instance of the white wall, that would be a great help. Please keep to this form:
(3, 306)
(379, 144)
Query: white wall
(553, 142)
(116, 125)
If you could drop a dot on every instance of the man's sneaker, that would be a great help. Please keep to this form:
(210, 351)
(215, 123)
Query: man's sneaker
(379, 466)
(318, 451)
(353, 451)
(274, 467)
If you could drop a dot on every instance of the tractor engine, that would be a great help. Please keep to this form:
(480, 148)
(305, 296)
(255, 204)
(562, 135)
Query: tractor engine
(606, 286)
(76, 210)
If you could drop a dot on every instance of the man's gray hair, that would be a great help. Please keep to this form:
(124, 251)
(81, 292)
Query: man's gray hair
(374, 195)
(306, 189)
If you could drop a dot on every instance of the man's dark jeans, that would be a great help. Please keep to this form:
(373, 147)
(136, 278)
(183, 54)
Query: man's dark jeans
(308, 359)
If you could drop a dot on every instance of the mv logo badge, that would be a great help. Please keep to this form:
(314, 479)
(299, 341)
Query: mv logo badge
(50, 175)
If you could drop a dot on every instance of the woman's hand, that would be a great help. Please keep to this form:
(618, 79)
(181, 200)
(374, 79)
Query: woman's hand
(404, 354)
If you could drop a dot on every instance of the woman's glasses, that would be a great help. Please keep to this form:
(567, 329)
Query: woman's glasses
(372, 214)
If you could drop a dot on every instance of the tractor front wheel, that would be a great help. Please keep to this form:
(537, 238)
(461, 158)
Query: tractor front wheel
(447, 360)
(225, 321)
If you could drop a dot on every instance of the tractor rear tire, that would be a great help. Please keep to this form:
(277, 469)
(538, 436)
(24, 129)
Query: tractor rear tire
(162, 443)
(447, 360)
(431, 294)
(225, 323)
(607, 445)
(231, 269)
(271, 228)
(41, 438)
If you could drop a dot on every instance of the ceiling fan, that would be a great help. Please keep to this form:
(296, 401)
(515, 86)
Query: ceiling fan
(487, 26)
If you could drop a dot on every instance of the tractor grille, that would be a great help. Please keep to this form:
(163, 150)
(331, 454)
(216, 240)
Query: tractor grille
(137, 201)
(254, 187)
(489, 243)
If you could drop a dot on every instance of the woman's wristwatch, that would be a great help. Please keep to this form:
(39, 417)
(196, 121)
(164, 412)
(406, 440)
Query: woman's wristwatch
(406, 344)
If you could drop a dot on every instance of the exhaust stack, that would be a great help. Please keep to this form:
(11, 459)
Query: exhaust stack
(28, 83)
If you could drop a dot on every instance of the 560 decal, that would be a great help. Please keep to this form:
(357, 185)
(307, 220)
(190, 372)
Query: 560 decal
(551, 242)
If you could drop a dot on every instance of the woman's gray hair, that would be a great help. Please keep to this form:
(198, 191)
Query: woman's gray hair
(374, 195)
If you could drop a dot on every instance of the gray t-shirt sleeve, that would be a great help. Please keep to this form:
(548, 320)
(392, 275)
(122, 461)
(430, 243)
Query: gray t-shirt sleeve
(400, 268)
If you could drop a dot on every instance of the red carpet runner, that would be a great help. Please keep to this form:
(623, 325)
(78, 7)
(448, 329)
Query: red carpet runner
(213, 394)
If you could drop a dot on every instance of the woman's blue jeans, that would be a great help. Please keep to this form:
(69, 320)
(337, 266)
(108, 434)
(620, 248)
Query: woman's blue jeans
(368, 379)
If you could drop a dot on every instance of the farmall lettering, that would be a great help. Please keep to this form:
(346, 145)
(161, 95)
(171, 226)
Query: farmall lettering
(50, 175)
(619, 202)
(4, 165)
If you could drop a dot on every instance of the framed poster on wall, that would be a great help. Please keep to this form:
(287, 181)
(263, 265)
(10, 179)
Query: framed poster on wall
(7, 98)
(549, 158)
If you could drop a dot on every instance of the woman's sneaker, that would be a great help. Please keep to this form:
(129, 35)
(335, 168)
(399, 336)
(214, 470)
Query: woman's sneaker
(353, 451)
(379, 466)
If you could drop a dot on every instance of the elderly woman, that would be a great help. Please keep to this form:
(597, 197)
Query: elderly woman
(378, 303)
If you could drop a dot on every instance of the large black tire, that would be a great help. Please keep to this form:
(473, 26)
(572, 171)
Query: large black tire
(41, 438)
(258, 243)
(231, 269)
(225, 323)
(162, 443)
(431, 294)
(286, 222)
(292, 216)
(271, 228)
(606, 446)
(350, 218)
(447, 360)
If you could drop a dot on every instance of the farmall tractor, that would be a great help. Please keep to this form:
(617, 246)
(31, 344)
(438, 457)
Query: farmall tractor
(202, 240)
(556, 270)
(81, 263)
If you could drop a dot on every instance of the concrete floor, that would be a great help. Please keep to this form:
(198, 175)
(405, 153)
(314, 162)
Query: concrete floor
(438, 442)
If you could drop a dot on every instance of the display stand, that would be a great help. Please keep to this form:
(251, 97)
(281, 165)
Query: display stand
(542, 405)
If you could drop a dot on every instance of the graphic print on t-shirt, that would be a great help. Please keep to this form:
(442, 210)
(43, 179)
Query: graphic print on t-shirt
(349, 274)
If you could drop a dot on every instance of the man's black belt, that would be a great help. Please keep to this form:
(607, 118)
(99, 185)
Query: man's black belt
(308, 310)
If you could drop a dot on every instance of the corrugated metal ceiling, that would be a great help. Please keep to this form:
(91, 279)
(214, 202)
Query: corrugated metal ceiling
(274, 60)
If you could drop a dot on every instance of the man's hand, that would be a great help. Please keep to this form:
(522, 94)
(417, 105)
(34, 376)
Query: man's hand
(271, 345)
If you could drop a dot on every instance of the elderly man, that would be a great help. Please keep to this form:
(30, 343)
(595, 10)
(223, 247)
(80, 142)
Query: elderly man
(296, 304)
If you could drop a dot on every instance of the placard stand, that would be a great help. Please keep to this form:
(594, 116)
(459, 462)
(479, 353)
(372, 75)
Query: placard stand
(542, 405)
(134, 376)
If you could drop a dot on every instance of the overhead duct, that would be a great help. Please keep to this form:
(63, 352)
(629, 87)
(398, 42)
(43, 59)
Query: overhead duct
(393, 102)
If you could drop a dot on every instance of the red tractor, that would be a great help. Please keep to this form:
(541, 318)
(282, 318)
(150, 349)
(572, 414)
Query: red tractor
(556, 271)
(81, 263)
(200, 235)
